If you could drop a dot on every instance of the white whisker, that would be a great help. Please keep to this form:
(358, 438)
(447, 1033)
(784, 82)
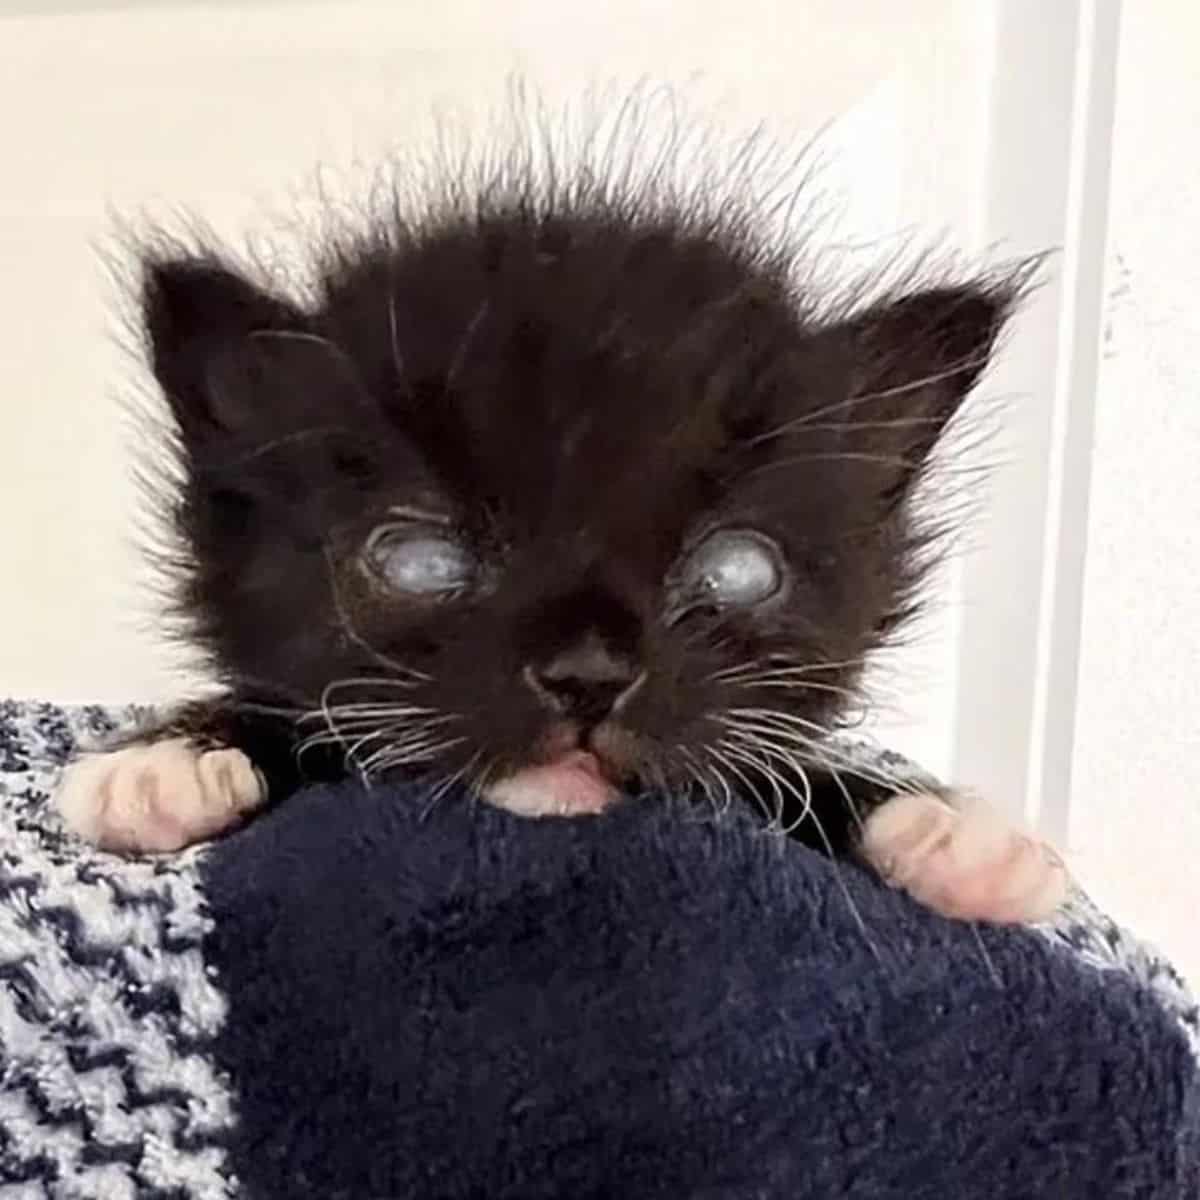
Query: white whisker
(699, 776)
(449, 782)
(804, 422)
(797, 685)
(480, 782)
(840, 783)
(888, 460)
(396, 759)
(405, 739)
(295, 335)
(756, 666)
(761, 754)
(751, 791)
(819, 750)
(744, 753)
(464, 346)
(397, 357)
(347, 626)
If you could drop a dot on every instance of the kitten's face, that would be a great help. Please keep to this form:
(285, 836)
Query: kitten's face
(524, 488)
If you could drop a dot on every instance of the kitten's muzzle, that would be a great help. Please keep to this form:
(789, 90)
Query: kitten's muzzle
(586, 683)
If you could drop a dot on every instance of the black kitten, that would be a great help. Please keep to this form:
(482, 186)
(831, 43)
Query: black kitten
(551, 494)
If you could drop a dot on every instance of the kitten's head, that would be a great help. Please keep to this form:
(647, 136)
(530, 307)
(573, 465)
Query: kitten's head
(535, 479)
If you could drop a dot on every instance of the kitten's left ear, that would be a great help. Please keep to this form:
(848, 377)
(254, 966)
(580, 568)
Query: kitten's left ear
(235, 359)
(197, 312)
(915, 359)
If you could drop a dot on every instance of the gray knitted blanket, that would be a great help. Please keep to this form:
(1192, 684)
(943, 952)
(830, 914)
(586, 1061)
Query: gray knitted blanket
(139, 1059)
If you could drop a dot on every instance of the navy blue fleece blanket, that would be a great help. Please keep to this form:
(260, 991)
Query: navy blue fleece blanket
(355, 998)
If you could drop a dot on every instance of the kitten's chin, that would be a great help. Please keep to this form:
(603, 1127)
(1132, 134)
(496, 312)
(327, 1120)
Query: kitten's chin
(569, 786)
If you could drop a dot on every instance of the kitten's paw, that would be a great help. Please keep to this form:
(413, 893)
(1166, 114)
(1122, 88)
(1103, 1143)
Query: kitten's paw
(158, 797)
(964, 861)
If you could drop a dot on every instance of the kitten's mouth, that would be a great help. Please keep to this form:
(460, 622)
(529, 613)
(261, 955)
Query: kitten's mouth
(574, 784)
(570, 781)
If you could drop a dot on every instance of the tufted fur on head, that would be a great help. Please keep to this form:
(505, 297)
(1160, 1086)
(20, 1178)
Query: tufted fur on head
(557, 394)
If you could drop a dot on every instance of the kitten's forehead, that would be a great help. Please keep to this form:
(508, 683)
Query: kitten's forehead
(588, 485)
(582, 382)
(594, 380)
(573, 296)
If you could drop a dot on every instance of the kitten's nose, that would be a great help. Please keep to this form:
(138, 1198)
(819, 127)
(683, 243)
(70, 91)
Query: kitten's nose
(587, 682)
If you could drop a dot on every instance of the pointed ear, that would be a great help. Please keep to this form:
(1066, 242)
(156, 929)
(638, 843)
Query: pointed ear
(232, 358)
(915, 359)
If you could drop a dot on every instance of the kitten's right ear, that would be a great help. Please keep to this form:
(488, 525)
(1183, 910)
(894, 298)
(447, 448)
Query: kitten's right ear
(197, 314)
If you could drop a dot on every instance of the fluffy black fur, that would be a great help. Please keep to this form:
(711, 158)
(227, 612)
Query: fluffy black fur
(578, 379)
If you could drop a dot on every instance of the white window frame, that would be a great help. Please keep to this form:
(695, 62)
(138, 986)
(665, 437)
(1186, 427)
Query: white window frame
(1047, 148)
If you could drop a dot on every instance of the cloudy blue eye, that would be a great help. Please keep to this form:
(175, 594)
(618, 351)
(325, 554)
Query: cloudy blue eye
(420, 561)
(731, 569)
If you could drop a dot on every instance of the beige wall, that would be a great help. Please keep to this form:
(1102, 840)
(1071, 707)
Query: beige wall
(224, 110)
(1137, 753)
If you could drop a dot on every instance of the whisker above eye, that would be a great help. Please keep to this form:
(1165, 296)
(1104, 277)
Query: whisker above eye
(857, 426)
(754, 666)
(394, 336)
(465, 343)
(887, 460)
(769, 673)
(797, 685)
(348, 627)
(956, 369)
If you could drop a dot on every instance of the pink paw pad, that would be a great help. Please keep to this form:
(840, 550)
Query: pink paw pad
(964, 860)
(158, 797)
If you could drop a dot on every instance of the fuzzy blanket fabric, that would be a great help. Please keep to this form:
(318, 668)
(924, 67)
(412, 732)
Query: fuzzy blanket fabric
(357, 999)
